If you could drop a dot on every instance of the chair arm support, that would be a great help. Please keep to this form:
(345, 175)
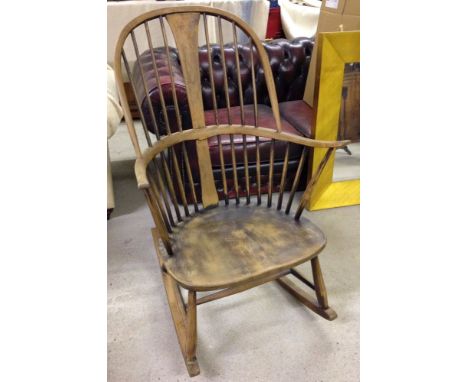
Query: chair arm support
(313, 180)
(140, 173)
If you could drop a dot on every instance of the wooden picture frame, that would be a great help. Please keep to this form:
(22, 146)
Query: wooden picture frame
(335, 49)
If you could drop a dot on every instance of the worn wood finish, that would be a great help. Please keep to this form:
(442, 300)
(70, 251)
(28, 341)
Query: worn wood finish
(226, 249)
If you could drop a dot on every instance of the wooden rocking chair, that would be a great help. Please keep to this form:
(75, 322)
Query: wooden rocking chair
(235, 246)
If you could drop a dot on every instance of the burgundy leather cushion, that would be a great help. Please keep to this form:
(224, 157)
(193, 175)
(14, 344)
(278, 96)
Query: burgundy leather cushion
(265, 119)
(298, 114)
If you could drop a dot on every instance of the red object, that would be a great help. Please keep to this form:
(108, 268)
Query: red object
(274, 27)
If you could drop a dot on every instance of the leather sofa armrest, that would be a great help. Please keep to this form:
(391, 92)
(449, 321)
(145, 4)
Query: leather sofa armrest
(161, 60)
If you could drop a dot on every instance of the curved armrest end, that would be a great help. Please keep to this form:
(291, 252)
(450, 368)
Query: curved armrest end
(339, 144)
(140, 173)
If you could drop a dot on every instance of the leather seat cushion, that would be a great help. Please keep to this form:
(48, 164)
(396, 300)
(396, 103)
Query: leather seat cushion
(266, 120)
(298, 114)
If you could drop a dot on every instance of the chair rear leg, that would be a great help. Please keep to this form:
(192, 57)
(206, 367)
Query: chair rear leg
(321, 307)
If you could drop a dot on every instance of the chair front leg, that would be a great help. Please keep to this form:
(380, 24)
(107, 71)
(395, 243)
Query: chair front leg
(191, 335)
(320, 290)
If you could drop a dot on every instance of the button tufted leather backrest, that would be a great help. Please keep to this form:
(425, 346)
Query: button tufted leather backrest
(289, 60)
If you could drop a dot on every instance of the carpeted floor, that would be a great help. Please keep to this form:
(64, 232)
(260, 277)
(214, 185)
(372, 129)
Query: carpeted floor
(262, 334)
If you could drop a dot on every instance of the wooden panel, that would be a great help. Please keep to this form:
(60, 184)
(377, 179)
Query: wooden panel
(185, 31)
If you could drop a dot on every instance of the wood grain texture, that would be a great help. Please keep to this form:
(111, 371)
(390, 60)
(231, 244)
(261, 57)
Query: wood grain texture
(185, 31)
(225, 247)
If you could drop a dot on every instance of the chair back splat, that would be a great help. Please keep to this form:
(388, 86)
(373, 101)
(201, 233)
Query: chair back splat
(228, 154)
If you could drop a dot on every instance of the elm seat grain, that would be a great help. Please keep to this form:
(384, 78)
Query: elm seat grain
(227, 246)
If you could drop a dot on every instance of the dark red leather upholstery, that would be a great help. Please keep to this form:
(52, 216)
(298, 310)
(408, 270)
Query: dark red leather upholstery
(298, 114)
(289, 61)
(265, 118)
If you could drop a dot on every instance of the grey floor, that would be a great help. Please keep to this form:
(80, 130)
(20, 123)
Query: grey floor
(262, 334)
(346, 167)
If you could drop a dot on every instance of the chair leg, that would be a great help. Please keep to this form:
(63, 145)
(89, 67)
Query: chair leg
(320, 290)
(185, 322)
(321, 307)
(184, 317)
(191, 330)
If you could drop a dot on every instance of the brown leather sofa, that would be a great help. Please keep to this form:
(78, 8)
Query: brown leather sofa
(289, 60)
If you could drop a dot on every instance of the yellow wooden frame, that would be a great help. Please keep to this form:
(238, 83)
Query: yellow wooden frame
(335, 49)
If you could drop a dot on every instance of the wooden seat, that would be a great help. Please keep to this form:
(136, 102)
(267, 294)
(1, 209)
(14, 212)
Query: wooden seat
(225, 247)
(212, 242)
